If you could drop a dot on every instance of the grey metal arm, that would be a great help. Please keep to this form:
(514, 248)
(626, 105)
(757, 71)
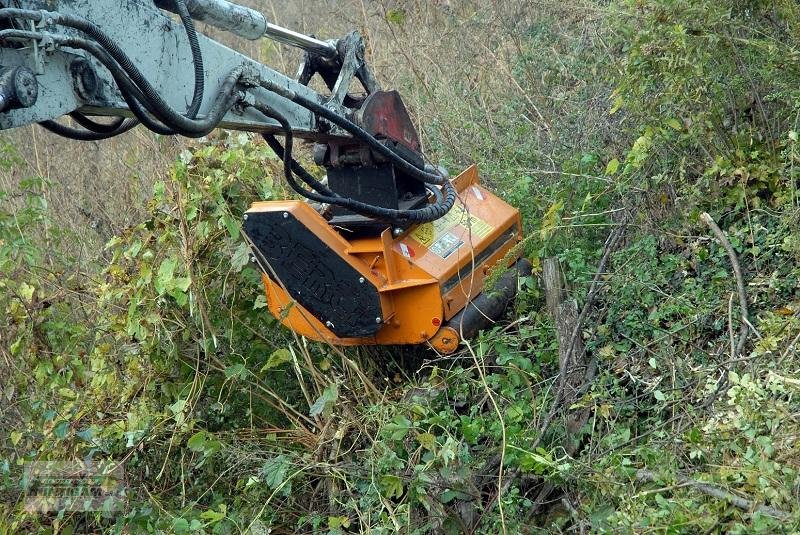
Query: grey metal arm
(70, 79)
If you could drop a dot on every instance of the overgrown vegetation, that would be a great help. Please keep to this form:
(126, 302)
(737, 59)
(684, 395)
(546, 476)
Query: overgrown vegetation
(625, 118)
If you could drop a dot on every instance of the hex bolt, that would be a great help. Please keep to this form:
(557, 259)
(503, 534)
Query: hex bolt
(396, 232)
(361, 280)
(244, 217)
(253, 259)
(378, 320)
(328, 324)
(286, 215)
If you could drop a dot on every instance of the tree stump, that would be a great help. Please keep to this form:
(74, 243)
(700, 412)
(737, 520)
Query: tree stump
(571, 354)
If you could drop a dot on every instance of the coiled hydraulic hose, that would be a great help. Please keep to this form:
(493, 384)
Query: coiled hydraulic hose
(358, 132)
(431, 212)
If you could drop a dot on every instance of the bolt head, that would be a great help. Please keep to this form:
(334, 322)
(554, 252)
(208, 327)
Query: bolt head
(244, 217)
(328, 324)
(396, 232)
(253, 259)
(286, 215)
(379, 320)
(361, 280)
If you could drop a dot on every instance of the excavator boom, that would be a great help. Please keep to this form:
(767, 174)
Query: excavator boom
(387, 249)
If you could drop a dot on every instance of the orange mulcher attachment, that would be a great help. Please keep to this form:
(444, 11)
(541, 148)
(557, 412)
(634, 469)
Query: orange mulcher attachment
(424, 285)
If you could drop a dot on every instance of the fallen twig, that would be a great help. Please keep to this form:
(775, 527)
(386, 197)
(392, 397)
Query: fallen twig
(745, 325)
(737, 273)
(715, 492)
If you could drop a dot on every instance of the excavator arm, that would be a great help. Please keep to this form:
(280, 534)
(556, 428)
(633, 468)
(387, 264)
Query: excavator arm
(391, 252)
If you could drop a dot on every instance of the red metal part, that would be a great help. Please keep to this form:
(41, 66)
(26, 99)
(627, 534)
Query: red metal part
(384, 115)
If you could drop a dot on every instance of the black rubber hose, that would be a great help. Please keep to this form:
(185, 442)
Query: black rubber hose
(199, 82)
(298, 169)
(420, 215)
(86, 135)
(197, 58)
(226, 98)
(358, 132)
(309, 179)
(100, 128)
(163, 111)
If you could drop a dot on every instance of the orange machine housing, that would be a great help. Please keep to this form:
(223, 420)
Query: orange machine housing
(423, 277)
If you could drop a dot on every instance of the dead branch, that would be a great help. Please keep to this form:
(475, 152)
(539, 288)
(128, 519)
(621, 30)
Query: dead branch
(746, 504)
(737, 273)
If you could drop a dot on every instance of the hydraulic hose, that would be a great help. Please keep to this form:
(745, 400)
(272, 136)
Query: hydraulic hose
(358, 132)
(197, 58)
(163, 111)
(116, 127)
(226, 98)
(86, 135)
(431, 212)
(100, 128)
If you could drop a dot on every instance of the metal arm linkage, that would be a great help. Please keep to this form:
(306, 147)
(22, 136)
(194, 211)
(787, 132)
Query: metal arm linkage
(129, 59)
(356, 267)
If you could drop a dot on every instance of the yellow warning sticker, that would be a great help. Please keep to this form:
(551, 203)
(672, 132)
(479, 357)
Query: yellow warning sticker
(428, 233)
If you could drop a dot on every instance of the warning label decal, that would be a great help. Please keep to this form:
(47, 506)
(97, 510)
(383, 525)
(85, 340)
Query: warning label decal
(428, 233)
(446, 245)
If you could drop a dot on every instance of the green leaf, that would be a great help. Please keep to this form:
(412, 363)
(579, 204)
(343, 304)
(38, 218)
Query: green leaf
(398, 428)
(15, 348)
(180, 525)
(197, 442)
(277, 358)
(67, 393)
(178, 406)
(159, 190)
(177, 410)
(274, 471)
(336, 523)
(391, 486)
(675, 124)
(659, 395)
(16, 436)
(26, 291)
(241, 256)
(260, 302)
(449, 495)
(427, 441)
(612, 167)
(182, 283)
(215, 516)
(61, 428)
(324, 402)
(232, 225)
(235, 371)
(165, 275)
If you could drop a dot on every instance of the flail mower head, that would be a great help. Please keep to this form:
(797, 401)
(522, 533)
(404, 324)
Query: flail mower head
(422, 284)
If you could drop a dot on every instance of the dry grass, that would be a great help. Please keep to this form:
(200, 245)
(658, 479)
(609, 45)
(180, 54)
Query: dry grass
(457, 63)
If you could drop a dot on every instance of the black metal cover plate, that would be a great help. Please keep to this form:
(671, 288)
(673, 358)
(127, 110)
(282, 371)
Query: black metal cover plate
(314, 275)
